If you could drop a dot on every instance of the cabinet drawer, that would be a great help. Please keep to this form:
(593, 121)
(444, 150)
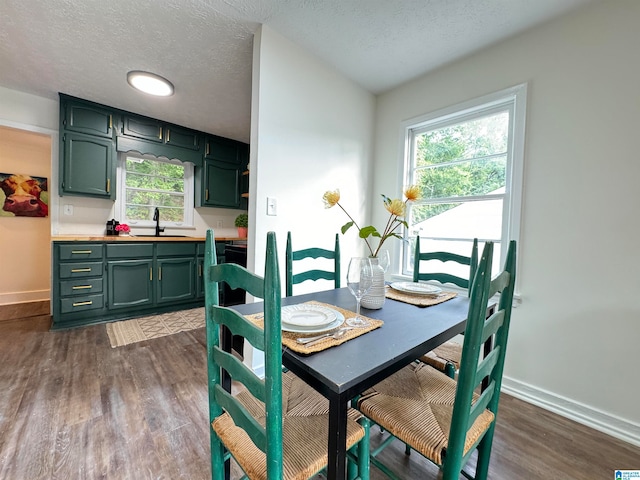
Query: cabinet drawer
(164, 249)
(77, 304)
(80, 287)
(129, 250)
(80, 252)
(85, 269)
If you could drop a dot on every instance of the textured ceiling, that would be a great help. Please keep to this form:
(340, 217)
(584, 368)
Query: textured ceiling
(85, 47)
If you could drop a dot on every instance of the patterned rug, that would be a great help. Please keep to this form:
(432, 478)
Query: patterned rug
(155, 326)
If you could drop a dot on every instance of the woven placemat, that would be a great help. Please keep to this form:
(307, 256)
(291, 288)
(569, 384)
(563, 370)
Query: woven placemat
(419, 300)
(289, 338)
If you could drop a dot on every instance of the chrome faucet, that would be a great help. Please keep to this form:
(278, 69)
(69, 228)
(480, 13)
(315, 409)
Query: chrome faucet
(156, 218)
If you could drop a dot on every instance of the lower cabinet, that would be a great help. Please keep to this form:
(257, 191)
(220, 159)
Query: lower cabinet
(96, 282)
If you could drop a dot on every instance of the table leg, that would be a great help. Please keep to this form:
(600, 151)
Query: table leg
(337, 449)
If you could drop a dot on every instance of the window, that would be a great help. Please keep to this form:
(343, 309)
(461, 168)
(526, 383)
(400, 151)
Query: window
(146, 182)
(468, 162)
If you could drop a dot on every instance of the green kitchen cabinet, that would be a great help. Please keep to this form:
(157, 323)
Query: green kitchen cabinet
(222, 150)
(130, 283)
(141, 127)
(87, 166)
(85, 117)
(182, 137)
(218, 185)
(176, 280)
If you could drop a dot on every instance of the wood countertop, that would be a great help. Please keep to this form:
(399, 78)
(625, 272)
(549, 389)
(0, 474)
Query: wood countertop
(124, 238)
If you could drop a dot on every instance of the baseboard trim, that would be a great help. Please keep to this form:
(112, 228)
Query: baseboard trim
(597, 419)
(14, 311)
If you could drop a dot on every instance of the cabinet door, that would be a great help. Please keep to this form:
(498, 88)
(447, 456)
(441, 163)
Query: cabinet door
(87, 166)
(175, 279)
(140, 127)
(83, 118)
(223, 150)
(221, 185)
(181, 137)
(130, 283)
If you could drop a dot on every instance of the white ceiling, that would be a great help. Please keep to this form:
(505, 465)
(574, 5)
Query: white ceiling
(85, 47)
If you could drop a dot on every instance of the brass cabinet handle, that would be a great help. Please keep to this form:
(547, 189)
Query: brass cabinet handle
(207, 150)
(150, 274)
(79, 304)
(80, 287)
(108, 185)
(206, 194)
(160, 134)
(199, 270)
(168, 135)
(159, 274)
(110, 122)
(77, 252)
(78, 270)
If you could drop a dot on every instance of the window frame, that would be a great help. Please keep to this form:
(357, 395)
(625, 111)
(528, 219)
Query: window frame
(189, 179)
(512, 99)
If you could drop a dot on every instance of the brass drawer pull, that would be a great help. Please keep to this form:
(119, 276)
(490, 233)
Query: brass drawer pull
(77, 252)
(78, 270)
(199, 270)
(160, 134)
(159, 273)
(80, 287)
(108, 185)
(80, 304)
(168, 135)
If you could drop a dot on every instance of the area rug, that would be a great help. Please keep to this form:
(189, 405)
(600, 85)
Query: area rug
(155, 326)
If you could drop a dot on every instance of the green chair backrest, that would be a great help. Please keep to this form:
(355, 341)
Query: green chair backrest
(473, 370)
(315, 274)
(471, 262)
(268, 390)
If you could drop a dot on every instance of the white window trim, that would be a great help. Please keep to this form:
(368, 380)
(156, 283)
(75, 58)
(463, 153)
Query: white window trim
(120, 204)
(517, 96)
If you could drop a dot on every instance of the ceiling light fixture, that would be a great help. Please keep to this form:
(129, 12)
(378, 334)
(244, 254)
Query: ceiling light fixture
(150, 83)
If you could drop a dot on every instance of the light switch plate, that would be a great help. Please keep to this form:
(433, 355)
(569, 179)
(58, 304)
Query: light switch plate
(272, 206)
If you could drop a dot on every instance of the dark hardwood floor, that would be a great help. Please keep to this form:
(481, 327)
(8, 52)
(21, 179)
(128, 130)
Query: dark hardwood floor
(72, 407)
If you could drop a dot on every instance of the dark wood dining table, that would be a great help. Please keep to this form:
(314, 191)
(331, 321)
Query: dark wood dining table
(342, 372)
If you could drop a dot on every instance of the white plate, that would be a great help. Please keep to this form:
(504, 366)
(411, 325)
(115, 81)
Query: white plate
(305, 315)
(339, 320)
(416, 288)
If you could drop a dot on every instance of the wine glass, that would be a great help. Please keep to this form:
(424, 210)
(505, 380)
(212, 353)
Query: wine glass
(359, 281)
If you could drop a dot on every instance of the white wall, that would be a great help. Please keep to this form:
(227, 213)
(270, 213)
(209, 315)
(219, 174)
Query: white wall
(575, 339)
(312, 130)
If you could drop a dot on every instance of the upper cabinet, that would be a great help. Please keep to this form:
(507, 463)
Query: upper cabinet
(221, 182)
(87, 149)
(86, 118)
(92, 134)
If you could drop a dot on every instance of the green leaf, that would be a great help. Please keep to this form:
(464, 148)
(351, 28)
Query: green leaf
(368, 230)
(346, 227)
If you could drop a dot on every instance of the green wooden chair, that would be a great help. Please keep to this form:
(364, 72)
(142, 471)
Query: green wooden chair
(446, 357)
(442, 419)
(275, 428)
(315, 274)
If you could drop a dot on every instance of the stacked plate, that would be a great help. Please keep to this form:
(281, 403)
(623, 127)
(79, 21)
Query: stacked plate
(416, 288)
(304, 318)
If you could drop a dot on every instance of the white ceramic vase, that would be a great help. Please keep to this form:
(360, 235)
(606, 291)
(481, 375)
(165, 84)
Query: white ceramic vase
(374, 298)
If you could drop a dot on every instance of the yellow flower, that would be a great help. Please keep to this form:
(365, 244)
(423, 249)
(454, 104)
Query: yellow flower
(395, 207)
(412, 193)
(331, 198)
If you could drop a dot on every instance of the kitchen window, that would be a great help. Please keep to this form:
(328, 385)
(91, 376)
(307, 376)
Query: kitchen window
(468, 162)
(146, 182)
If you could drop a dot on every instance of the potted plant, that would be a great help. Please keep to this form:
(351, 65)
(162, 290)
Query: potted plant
(242, 222)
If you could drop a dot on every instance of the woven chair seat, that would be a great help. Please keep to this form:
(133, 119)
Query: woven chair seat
(448, 352)
(416, 406)
(305, 432)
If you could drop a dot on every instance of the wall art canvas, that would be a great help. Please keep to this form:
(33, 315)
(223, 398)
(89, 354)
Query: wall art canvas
(23, 195)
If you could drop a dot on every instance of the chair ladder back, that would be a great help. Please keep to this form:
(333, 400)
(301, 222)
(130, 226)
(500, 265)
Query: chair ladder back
(312, 274)
(463, 413)
(269, 390)
(470, 261)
